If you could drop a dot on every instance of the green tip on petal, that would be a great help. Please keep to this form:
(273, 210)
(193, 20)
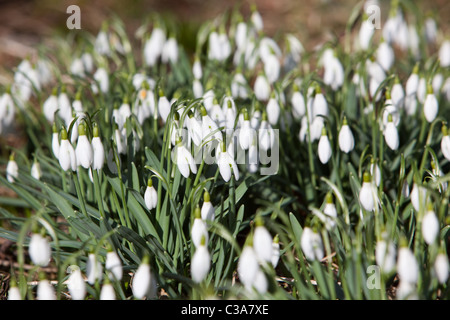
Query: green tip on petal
(259, 221)
(276, 239)
(54, 128)
(324, 131)
(245, 112)
(388, 94)
(96, 131)
(344, 122)
(206, 196)
(390, 117)
(81, 129)
(197, 213)
(264, 116)
(444, 129)
(150, 182)
(429, 88)
(203, 241)
(430, 206)
(63, 133)
(366, 177)
(145, 259)
(230, 105)
(203, 111)
(329, 198)
(161, 92)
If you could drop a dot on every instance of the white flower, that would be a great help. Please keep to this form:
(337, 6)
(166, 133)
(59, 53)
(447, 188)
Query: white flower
(257, 20)
(391, 134)
(36, 171)
(412, 84)
(199, 229)
(260, 283)
(7, 110)
(406, 291)
(262, 242)
(441, 267)
(45, 290)
(14, 292)
(102, 43)
(101, 77)
(83, 151)
(333, 72)
(430, 106)
(201, 262)
(107, 292)
(153, 47)
(366, 194)
(76, 284)
(197, 88)
(197, 69)
(226, 164)
(184, 160)
(298, 104)
(365, 33)
(330, 212)
(430, 226)
(275, 251)
(444, 54)
(113, 264)
(311, 244)
(346, 139)
(261, 88)
(266, 134)
(324, 147)
(418, 196)
(246, 132)
(143, 283)
(194, 129)
(55, 142)
(272, 68)
(385, 55)
(50, 106)
(385, 255)
(407, 267)
(315, 128)
(66, 155)
(397, 94)
(248, 266)
(77, 67)
(375, 172)
(98, 150)
(239, 86)
(445, 143)
(163, 106)
(150, 196)
(39, 250)
(207, 213)
(94, 269)
(170, 51)
(320, 105)
(273, 110)
(12, 169)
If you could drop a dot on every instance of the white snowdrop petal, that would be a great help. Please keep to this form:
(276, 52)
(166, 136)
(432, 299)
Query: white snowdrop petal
(200, 264)
(262, 244)
(39, 250)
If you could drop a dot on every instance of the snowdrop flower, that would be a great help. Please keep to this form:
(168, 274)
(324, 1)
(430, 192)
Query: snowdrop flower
(39, 250)
(298, 103)
(45, 290)
(366, 194)
(12, 169)
(273, 110)
(143, 283)
(430, 106)
(102, 78)
(407, 267)
(210, 129)
(239, 86)
(422, 90)
(391, 134)
(88, 62)
(107, 292)
(441, 267)
(256, 20)
(36, 171)
(430, 225)
(444, 54)
(385, 55)
(7, 110)
(346, 139)
(375, 172)
(184, 159)
(445, 142)
(230, 116)
(262, 242)
(248, 265)
(76, 284)
(418, 196)
(366, 32)
(262, 88)
(14, 292)
(150, 195)
(77, 67)
(83, 151)
(406, 291)
(199, 228)
(316, 128)
(113, 264)
(333, 70)
(320, 105)
(153, 47)
(207, 213)
(412, 84)
(246, 133)
(397, 94)
(275, 251)
(272, 68)
(101, 44)
(295, 50)
(194, 129)
(430, 29)
(67, 157)
(197, 88)
(65, 107)
(385, 254)
(98, 150)
(226, 163)
(266, 134)
(55, 141)
(201, 262)
(94, 269)
(197, 69)
(311, 244)
(170, 51)
(260, 283)
(163, 106)
(330, 212)
(50, 106)
(324, 147)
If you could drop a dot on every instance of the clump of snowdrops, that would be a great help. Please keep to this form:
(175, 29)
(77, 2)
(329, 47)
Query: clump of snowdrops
(130, 185)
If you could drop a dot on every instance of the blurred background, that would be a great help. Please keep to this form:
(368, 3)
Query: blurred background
(23, 23)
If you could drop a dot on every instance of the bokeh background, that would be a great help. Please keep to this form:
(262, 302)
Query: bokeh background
(24, 23)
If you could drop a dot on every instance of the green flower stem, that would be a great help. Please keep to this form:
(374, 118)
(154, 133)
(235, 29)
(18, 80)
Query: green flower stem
(98, 193)
(80, 194)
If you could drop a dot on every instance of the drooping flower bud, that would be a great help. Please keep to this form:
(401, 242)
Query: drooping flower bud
(346, 139)
(311, 244)
(144, 282)
(39, 250)
(94, 269)
(98, 150)
(66, 155)
(150, 195)
(430, 225)
(201, 262)
(324, 147)
(366, 194)
(113, 264)
(262, 241)
(207, 212)
(76, 284)
(12, 169)
(83, 151)
(45, 290)
(199, 228)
